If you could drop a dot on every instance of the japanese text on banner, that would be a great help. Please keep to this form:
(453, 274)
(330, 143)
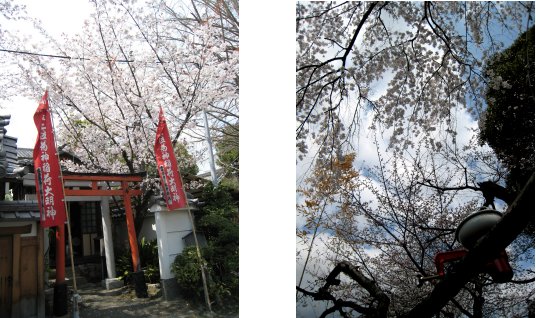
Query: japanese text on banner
(168, 168)
(47, 169)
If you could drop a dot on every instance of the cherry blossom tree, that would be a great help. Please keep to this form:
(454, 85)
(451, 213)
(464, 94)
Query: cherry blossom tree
(107, 84)
(388, 99)
(430, 55)
(129, 61)
(10, 14)
(386, 226)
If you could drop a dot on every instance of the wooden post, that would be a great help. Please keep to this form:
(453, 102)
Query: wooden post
(131, 229)
(40, 272)
(137, 275)
(71, 248)
(60, 254)
(15, 298)
(60, 306)
(201, 262)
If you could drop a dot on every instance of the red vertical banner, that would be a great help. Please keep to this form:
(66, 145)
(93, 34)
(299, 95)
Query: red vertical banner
(166, 165)
(48, 183)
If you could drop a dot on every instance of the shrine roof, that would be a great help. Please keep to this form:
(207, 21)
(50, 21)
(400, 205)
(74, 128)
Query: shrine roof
(19, 211)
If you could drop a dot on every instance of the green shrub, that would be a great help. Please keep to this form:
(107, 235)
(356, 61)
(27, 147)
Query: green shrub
(148, 251)
(149, 260)
(218, 220)
(123, 265)
(188, 274)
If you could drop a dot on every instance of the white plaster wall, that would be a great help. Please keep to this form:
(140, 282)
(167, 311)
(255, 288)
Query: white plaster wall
(148, 229)
(171, 227)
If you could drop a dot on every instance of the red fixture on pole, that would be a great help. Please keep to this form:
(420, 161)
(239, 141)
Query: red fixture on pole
(499, 269)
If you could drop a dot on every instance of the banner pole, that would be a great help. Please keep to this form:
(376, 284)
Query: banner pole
(210, 151)
(201, 263)
(163, 130)
(75, 294)
(67, 212)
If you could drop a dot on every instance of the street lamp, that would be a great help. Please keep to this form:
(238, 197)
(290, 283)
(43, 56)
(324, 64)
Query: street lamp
(475, 226)
(471, 229)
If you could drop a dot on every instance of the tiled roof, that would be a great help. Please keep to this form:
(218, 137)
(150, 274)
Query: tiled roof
(19, 210)
(25, 153)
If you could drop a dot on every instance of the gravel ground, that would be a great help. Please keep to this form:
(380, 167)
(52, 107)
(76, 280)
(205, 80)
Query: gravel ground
(122, 302)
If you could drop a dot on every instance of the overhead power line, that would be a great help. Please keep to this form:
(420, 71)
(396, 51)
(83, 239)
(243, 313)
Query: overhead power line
(60, 56)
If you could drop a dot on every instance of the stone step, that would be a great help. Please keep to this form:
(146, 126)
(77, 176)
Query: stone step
(79, 272)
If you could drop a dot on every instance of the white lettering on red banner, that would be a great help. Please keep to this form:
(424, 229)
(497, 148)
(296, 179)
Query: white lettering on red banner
(168, 168)
(47, 170)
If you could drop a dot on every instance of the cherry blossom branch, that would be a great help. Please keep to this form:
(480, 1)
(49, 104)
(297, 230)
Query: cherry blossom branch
(489, 189)
(356, 33)
(316, 67)
(513, 222)
(187, 106)
(322, 12)
(523, 281)
(380, 310)
(443, 189)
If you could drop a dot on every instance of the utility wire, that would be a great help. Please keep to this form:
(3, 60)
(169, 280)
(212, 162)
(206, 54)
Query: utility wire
(38, 54)
(60, 56)
(76, 58)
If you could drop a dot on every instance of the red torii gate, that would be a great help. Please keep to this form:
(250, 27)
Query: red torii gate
(124, 191)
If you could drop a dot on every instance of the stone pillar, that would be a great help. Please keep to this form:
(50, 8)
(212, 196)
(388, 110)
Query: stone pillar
(111, 281)
(107, 235)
